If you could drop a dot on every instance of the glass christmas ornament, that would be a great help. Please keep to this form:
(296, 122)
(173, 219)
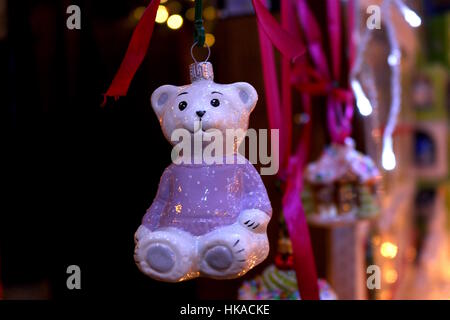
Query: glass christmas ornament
(279, 284)
(210, 214)
(341, 186)
(278, 281)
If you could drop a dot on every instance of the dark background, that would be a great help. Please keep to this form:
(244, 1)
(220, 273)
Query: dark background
(77, 178)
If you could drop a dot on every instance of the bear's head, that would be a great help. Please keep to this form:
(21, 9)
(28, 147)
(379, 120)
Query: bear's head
(214, 106)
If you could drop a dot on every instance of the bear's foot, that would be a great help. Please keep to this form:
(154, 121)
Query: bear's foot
(166, 254)
(219, 257)
(160, 258)
(230, 251)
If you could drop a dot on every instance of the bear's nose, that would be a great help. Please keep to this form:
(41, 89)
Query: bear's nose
(200, 113)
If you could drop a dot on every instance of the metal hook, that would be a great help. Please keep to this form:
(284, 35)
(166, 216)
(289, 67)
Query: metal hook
(192, 52)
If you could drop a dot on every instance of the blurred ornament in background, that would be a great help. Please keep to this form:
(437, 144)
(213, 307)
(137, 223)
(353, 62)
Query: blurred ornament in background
(341, 186)
(276, 284)
(278, 281)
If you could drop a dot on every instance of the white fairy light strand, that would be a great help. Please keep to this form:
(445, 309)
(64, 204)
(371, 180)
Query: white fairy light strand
(409, 15)
(362, 102)
(388, 160)
(364, 105)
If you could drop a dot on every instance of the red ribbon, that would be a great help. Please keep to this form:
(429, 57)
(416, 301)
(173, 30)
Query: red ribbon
(135, 54)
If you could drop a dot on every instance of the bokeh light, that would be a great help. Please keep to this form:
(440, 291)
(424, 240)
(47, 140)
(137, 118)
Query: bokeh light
(388, 250)
(390, 276)
(210, 39)
(138, 12)
(162, 14)
(190, 14)
(175, 21)
(209, 13)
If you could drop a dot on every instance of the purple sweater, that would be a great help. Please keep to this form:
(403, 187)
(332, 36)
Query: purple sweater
(198, 198)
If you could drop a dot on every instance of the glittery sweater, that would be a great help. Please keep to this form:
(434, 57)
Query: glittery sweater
(198, 198)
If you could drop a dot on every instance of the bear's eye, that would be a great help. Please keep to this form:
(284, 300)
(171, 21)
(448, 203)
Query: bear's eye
(215, 102)
(182, 105)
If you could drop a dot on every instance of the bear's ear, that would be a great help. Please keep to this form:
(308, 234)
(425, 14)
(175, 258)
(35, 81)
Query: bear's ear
(247, 94)
(161, 98)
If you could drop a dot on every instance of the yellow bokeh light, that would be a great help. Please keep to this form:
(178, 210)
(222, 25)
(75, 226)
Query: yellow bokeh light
(138, 12)
(190, 14)
(210, 39)
(162, 14)
(209, 13)
(390, 276)
(175, 21)
(164, 1)
(388, 250)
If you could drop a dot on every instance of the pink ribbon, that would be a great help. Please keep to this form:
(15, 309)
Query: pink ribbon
(339, 121)
(280, 117)
(282, 39)
(317, 80)
(272, 34)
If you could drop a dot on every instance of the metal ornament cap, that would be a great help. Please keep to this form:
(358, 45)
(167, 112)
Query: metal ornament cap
(201, 71)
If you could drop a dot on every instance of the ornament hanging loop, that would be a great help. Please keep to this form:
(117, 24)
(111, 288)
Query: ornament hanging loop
(192, 52)
(200, 70)
(199, 30)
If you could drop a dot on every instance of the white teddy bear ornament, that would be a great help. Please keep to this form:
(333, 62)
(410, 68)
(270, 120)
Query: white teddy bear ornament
(207, 219)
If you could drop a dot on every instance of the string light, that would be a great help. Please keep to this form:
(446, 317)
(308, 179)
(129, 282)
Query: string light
(388, 160)
(387, 156)
(362, 102)
(394, 58)
(175, 21)
(162, 14)
(409, 15)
